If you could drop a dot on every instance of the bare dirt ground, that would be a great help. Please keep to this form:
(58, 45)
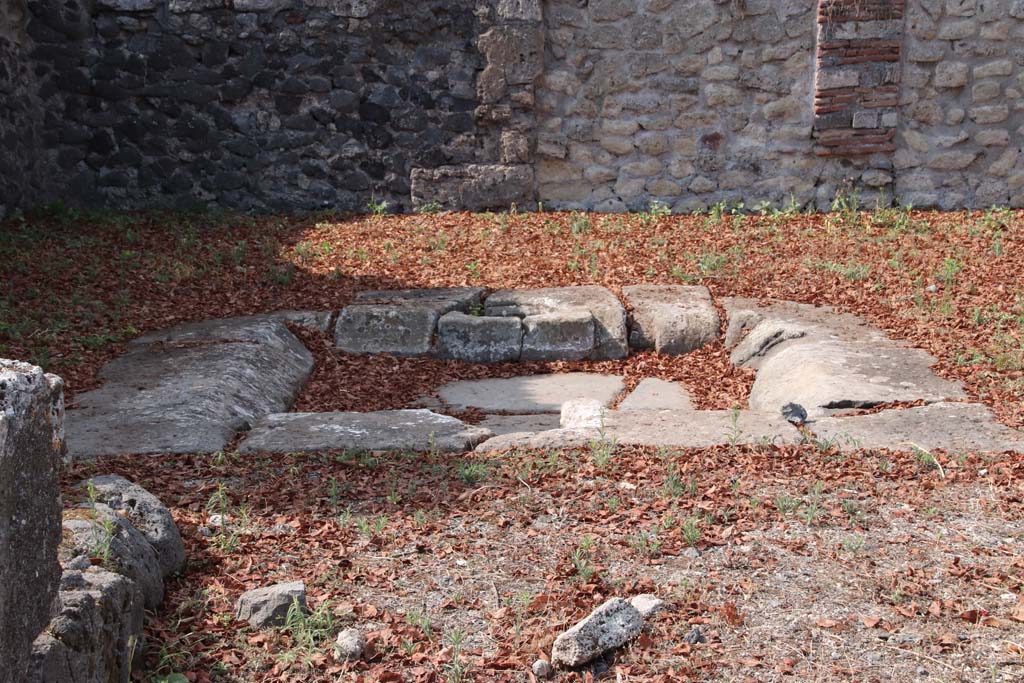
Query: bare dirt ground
(778, 564)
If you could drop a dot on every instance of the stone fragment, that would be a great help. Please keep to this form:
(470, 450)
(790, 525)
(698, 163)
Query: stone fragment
(583, 413)
(542, 669)
(608, 627)
(97, 532)
(189, 389)
(530, 394)
(609, 317)
(479, 339)
(146, 513)
(952, 427)
(657, 394)
(349, 645)
(563, 335)
(263, 607)
(31, 446)
(951, 74)
(97, 634)
(671, 319)
(386, 430)
(647, 605)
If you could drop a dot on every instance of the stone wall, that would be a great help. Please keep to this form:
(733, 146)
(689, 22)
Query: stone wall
(963, 105)
(599, 104)
(259, 104)
(20, 113)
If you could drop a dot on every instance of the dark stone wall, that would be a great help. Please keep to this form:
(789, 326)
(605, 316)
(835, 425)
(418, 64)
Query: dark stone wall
(256, 104)
(20, 113)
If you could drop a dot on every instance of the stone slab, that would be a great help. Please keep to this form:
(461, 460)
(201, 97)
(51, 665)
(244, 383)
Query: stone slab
(511, 424)
(31, 433)
(189, 389)
(824, 376)
(657, 394)
(319, 321)
(826, 361)
(610, 339)
(388, 430)
(479, 339)
(671, 319)
(530, 394)
(565, 335)
(662, 428)
(400, 321)
(952, 427)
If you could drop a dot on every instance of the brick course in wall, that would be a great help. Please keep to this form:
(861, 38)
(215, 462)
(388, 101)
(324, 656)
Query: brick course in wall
(856, 93)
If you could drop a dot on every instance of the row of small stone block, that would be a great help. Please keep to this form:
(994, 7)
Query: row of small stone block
(561, 323)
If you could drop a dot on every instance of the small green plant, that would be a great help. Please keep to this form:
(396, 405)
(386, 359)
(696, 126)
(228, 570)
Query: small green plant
(951, 267)
(580, 223)
(675, 487)
(422, 622)
(691, 531)
(602, 449)
(431, 207)
(581, 560)
(786, 504)
(309, 629)
(474, 269)
(377, 208)
(457, 669)
(646, 543)
(655, 211)
(734, 435)
(473, 472)
(854, 544)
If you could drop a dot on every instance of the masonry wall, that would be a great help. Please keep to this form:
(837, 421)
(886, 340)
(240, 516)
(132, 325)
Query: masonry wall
(595, 104)
(258, 104)
(20, 113)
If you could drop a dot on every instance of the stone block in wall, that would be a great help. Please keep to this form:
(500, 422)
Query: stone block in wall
(31, 446)
(515, 56)
(475, 187)
(478, 338)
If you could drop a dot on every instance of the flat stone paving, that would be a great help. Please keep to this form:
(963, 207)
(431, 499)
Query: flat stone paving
(662, 428)
(657, 394)
(953, 427)
(530, 394)
(189, 389)
(390, 430)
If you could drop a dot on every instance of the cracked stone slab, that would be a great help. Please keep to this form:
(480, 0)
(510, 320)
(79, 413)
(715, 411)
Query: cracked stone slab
(386, 430)
(610, 336)
(530, 394)
(479, 339)
(952, 427)
(824, 376)
(827, 361)
(401, 321)
(189, 389)
(657, 394)
(662, 428)
(671, 319)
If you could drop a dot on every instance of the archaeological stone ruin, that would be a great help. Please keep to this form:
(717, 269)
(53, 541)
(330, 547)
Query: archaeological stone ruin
(196, 387)
(488, 104)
